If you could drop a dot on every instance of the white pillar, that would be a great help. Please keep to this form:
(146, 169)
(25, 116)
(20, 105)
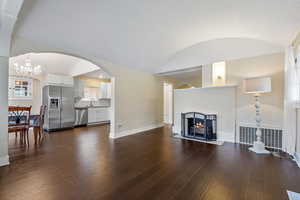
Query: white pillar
(9, 11)
(207, 80)
(112, 115)
(4, 159)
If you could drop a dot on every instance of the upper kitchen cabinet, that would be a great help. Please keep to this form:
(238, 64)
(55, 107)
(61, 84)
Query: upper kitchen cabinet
(79, 88)
(92, 88)
(105, 90)
(59, 80)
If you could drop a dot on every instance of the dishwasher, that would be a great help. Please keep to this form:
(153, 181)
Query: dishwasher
(81, 117)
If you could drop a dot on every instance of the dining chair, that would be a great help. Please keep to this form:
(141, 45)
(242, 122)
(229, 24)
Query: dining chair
(18, 121)
(37, 123)
(42, 120)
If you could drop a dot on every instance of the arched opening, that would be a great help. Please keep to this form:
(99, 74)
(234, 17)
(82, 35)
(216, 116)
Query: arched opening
(75, 91)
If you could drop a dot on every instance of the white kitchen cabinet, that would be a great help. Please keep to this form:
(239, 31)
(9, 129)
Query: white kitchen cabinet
(79, 88)
(91, 116)
(97, 115)
(52, 79)
(105, 90)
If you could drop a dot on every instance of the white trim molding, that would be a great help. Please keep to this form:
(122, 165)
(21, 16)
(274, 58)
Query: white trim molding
(4, 161)
(136, 131)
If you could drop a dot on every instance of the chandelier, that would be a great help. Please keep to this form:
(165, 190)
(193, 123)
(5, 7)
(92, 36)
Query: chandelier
(27, 68)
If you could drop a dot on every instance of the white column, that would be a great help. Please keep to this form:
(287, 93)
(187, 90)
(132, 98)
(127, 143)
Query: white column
(9, 11)
(112, 115)
(4, 159)
(297, 154)
(207, 80)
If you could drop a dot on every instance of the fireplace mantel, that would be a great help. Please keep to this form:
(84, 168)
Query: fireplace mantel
(210, 87)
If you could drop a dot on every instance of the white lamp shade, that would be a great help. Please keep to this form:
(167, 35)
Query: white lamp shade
(257, 85)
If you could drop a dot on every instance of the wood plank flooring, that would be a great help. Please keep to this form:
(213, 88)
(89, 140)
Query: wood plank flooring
(85, 164)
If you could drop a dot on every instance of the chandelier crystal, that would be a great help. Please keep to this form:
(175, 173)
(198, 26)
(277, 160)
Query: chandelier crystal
(27, 68)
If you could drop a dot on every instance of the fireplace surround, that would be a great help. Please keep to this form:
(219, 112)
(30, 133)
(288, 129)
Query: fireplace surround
(199, 126)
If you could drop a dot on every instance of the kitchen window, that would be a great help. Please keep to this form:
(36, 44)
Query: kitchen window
(19, 88)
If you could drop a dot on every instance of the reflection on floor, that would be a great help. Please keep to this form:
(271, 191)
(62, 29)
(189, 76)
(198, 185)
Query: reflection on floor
(293, 195)
(85, 164)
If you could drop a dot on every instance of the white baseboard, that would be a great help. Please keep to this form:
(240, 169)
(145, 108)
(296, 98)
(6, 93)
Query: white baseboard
(98, 123)
(4, 160)
(135, 131)
(225, 136)
(297, 159)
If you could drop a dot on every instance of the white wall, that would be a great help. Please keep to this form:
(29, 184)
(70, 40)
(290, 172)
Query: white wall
(237, 70)
(138, 100)
(36, 100)
(217, 100)
(271, 103)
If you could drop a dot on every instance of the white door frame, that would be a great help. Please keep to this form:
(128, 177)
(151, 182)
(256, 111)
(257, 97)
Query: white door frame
(168, 103)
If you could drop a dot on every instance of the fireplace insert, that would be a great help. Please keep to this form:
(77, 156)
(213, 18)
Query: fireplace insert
(199, 126)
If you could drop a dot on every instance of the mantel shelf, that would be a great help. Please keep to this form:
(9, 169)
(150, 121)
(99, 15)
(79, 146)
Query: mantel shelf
(210, 87)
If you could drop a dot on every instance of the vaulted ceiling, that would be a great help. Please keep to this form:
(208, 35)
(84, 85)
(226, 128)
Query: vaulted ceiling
(156, 35)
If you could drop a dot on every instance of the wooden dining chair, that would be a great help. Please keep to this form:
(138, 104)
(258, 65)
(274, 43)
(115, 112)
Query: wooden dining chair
(18, 121)
(37, 122)
(42, 120)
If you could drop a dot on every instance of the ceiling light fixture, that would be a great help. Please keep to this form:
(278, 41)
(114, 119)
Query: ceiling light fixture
(27, 68)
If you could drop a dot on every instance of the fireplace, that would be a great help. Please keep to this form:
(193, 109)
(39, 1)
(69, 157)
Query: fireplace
(199, 126)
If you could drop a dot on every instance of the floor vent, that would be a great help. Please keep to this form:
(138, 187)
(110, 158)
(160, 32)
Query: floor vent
(271, 137)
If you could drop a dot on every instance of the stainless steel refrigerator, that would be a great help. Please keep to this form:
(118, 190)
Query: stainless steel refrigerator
(60, 103)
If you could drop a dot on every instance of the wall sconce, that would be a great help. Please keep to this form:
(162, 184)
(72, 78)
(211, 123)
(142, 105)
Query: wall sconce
(219, 73)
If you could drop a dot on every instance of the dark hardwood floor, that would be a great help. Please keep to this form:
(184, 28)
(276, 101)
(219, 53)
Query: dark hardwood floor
(85, 164)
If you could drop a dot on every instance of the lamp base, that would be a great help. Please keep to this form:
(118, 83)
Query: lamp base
(259, 148)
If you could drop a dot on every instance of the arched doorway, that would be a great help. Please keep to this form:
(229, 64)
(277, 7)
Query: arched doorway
(93, 86)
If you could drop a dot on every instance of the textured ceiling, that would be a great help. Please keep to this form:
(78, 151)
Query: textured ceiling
(153, 35)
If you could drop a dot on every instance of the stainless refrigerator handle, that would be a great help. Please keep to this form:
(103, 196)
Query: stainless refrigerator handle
(60, 104)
